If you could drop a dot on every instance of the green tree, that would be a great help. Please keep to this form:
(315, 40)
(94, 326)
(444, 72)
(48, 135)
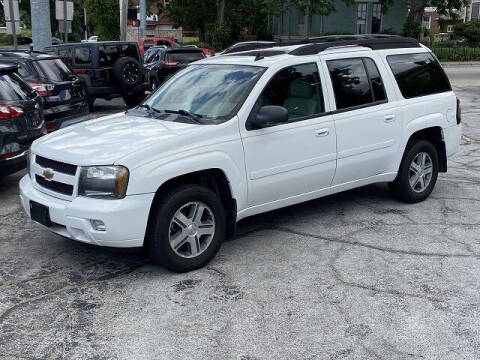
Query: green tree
(104, 16)
(469, 30)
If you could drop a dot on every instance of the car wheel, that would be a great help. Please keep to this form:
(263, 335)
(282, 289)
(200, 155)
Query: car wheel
(418, 172)
(188, 228)
(127, 71)
(134, 99)
(91, 101)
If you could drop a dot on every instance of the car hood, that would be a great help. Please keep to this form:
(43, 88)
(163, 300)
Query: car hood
(106, 140)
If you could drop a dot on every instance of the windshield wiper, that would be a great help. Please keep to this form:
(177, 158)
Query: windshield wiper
(195, 117)
(151, 111)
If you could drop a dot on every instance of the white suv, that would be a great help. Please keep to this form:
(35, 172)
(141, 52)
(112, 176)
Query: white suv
(234, 136)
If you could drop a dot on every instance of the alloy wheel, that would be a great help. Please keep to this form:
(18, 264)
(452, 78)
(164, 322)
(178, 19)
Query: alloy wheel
(421, 171)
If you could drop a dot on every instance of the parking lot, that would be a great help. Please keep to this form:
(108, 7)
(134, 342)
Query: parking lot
(356, 275)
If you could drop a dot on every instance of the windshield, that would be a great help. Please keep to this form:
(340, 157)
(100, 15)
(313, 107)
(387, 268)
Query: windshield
(212, 91)
(52, 69)
(184, 57)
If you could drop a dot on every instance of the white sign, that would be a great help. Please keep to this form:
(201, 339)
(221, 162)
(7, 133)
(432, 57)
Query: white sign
(6, 10)
(59, 10)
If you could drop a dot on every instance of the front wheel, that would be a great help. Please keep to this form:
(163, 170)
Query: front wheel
(418, 172)
(188, 228)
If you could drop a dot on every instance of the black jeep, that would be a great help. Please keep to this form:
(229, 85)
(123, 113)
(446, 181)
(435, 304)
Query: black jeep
(109, 69)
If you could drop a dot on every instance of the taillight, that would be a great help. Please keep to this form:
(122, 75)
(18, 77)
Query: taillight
(43, 89)
(459, 112)
(50, 126)
(80, 71)
(10, 155)
(10, 112)
(170, 63)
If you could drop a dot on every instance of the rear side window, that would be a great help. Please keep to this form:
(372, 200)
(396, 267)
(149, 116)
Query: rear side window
(184, 57)
(350, 83)
(418, 74)
(13, 88)
(83, 55)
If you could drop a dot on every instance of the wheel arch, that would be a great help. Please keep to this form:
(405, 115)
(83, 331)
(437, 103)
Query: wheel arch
(433, 134)
(214, 179)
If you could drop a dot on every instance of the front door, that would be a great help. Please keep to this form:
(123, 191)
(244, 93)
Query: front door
(297, 157)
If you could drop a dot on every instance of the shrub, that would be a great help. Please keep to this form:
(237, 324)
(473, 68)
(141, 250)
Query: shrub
(469, 30)
(412, 28)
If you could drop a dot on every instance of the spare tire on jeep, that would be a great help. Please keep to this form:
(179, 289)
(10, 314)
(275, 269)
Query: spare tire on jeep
(127, 71)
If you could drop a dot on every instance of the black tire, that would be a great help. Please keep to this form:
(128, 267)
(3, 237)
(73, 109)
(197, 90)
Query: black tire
(401, 187)
(157, 243)
(128, 72)
(133, 100)
(91, 101)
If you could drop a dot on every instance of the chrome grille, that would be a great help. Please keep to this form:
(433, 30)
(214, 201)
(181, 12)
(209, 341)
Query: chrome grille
(54, 177)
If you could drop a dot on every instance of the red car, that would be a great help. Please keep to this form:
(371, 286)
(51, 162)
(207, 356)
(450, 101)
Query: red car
(147, 42)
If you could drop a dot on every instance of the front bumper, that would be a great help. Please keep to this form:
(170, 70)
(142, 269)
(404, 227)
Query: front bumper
(125, 219)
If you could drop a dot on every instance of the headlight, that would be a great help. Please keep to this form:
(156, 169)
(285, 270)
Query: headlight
(103, 182)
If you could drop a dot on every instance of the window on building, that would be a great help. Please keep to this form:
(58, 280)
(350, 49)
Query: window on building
(361, 18)
(449, 28)
(376, 18)
(353, 81)
(297, 88)
(475, 10)
(418, 74)
(426, 22)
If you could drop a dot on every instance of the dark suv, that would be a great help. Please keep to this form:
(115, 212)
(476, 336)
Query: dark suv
(63, 93)
(109, 69)
(162, 63)
(21, 119)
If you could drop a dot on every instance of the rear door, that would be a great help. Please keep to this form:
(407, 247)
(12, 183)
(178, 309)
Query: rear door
(366, 116)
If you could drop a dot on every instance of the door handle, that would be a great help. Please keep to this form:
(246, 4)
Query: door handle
(322, 132)
(389, 118)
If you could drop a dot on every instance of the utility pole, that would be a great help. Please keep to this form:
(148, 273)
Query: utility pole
(65, 20)
(14, 23)
(123, 19)
(41, 31)
(143, 18)
(85, 22)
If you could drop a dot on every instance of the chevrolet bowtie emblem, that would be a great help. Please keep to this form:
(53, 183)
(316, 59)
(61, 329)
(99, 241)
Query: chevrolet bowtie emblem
(48, 174)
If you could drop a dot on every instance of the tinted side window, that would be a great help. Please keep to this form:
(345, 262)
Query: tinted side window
(82, 55)
(297, 88)
(375, 79)
(350, 83)
(418, 74)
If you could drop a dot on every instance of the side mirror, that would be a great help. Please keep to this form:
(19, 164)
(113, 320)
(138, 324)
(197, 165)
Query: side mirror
(270, 115)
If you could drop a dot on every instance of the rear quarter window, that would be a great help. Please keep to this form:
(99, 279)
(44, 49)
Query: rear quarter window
(418, 74)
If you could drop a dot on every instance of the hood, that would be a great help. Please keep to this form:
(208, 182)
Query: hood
(106, 140)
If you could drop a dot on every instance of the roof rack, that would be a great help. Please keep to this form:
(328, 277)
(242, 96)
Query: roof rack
(375, 43)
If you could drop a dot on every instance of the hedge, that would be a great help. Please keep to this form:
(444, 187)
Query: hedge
(456, 53)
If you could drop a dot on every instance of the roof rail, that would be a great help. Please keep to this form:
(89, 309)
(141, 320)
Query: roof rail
(374, 43)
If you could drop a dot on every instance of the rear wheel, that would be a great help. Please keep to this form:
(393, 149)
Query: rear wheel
(188, 228)
(418, 172)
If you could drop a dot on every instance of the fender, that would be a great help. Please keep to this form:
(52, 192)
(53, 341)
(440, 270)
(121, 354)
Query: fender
(149, 178)
(424, 122)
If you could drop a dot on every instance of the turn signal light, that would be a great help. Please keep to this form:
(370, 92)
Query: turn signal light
(170, 63)
(10, 112)
(43, 89)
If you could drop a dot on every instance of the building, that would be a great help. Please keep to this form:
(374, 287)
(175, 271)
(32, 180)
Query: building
(365, 17)
(472, 11)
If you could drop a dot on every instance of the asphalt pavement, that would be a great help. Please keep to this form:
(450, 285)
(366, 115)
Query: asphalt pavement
(357, 275)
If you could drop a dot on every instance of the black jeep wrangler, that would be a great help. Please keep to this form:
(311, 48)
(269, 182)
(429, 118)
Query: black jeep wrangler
(109, 69)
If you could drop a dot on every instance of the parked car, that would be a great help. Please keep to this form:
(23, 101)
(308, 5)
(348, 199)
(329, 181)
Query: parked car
(109, 69)
(21, 119)
(56, 41)
(163, 63)
(24, 40)
(93, 38)
(234, 136)
(152, 50)
(146, 43)
(63, 93)
(247, 45)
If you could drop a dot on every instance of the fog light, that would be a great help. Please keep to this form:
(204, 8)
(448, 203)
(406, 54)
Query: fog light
(98, 225)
